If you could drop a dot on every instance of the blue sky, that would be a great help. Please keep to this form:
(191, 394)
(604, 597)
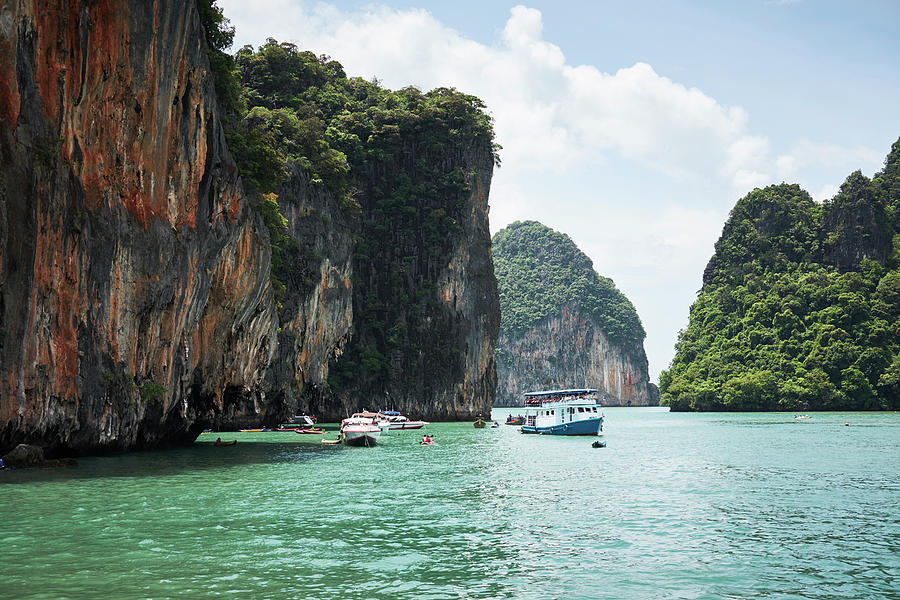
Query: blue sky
(635, 126)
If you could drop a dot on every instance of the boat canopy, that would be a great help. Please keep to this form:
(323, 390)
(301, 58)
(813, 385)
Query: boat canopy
(390, 413)
(554, 395)
(368, 415)
(575, 392)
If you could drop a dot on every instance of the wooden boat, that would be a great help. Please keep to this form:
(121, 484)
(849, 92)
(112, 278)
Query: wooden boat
(315, 430)
(219, 442)
(479, 423)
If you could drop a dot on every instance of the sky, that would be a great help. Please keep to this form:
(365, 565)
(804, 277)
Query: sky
(633, 126)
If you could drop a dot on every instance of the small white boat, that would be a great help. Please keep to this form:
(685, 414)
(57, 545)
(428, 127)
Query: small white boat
(395, 420)
(360, 430)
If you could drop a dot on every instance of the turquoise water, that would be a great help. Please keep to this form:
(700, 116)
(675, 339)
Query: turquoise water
(677, 506)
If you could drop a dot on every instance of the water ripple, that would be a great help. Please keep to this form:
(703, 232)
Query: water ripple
(677, 506)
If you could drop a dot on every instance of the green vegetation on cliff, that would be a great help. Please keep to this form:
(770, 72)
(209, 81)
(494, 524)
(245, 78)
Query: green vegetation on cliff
(402, 165)
(540, 270)
(800, 306)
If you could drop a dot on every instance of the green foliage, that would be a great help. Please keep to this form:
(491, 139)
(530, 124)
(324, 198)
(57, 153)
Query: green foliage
(267, 207)
(305, 109)
(47, 151)
(219, 35)
(540, 270)
(800, 308)
(152, 392)
(768, 229)
(400, 165)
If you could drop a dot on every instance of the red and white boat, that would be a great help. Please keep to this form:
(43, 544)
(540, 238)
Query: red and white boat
(397, 421)
(360, 430)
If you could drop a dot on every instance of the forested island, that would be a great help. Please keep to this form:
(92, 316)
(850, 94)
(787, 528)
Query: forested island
(401, 167)
(800, 305)
(563, 325)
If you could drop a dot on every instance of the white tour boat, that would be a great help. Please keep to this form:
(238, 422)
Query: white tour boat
(563, 412)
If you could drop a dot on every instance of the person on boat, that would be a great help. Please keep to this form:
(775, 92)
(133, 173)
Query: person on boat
(426, 439)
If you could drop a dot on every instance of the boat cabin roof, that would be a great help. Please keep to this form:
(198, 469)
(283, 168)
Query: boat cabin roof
(578, 395)
(368, 415)
(573, 392)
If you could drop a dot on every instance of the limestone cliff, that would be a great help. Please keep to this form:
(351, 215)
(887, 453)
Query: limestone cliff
(562, 325)
(136, 305)
(569, 349)
(800, 305)
(316, 314)
(401, 178)
(426, 312)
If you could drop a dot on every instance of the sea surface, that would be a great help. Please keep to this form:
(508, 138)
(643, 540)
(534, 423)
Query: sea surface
(676, 506)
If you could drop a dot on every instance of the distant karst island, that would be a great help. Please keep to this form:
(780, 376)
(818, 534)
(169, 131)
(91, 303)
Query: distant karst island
(562, 324)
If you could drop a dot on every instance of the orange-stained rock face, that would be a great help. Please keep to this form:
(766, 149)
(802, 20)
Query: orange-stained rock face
(136, 306)
(134, 291)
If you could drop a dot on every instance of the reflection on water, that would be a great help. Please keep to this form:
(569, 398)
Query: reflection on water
(677, 506)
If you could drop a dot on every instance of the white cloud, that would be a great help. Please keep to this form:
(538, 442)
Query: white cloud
(841, 159)
(826, 192)
(785, 166)
(808, 158)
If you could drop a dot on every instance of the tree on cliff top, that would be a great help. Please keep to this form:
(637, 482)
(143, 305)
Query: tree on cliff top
(539, 270)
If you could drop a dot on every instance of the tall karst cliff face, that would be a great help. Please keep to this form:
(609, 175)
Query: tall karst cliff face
(316, 311)
(401, 181)
(137, 300)
(135, 290)
(562, 325)
(427, 280)
(379, 311)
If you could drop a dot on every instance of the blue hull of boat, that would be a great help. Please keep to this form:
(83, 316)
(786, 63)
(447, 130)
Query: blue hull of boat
(586, 427)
